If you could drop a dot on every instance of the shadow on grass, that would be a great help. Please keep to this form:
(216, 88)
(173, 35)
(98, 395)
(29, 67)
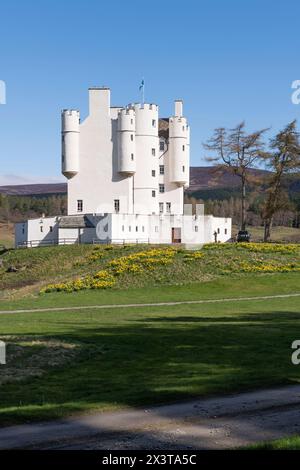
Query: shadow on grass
(157, 360)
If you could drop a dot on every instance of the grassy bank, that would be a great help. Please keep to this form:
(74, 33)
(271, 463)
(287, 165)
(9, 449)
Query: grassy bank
(135, 267)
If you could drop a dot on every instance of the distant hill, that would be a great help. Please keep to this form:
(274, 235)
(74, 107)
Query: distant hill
(34, 189)
(204, 182)
(211, 177)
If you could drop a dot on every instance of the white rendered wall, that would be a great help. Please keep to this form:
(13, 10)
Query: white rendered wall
(98, 183)
(173, 193)
(37, 230)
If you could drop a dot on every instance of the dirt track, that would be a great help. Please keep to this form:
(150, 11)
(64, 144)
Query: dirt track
(214, 423)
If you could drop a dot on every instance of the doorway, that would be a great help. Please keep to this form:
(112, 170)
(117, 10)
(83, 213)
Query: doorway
(176, 235)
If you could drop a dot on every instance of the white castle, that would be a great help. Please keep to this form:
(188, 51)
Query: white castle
(127, 171)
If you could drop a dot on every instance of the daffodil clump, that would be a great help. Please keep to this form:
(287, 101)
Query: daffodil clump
(269, 267)
(99, 252)
(101, 280)
(193, 255)
(142, 261)
(270, 247)
(135, 263)
(255, 247)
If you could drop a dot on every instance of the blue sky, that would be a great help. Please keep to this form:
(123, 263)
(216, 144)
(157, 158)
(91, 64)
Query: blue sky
(228, 60)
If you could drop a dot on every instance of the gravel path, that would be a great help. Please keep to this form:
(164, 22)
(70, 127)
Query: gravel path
(214, 423)
(152, 304)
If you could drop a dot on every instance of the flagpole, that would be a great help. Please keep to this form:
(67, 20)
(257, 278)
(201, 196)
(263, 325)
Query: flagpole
(142, 89)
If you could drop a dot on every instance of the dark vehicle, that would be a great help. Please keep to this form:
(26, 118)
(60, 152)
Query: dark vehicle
(243, 236)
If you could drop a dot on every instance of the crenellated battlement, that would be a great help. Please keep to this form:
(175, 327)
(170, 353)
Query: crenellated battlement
(146, 106)
(127, 111)
(70, 112)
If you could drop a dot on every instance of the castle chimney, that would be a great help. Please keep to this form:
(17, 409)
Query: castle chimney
(178, 108)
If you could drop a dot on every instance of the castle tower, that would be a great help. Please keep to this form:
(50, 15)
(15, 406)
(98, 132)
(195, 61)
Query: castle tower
(126, 142)
(70, 142)
(179, 147)
(147, 167)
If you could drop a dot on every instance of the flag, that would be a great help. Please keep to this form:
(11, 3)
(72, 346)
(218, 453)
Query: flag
(142, 85)
(142, 90)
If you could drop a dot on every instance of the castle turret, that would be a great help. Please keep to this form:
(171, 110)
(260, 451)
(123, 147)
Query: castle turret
(70, 142)
(147, 166)
(179, 147)
(126, 142)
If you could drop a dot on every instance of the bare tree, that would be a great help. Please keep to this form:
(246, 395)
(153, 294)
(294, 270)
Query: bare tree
(237, 151)
(284, 158)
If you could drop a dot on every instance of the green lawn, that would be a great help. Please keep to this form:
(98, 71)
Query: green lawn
(287, 443)
(234, 286)
(147, 355)
(65, 362)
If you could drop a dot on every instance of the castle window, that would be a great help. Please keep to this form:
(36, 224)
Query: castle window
(225, 231)
(129, 228)
(50, 228)
(41, 228)
(161, 145)
(143, 228)
(131, 121)
(168, 207)
(196, 228)
(183, 169)
(153, 172)
(117, 205)
(161, 188)
(132, 156)
(161, 169)
(123, 228)
(153, 123)
(131, 137)
(136, 228)
(79, 205)
(156, 228)
(161, 207)
(183, 128)
(218, 230)
(153, 152)
(153, 193)
(183, 148)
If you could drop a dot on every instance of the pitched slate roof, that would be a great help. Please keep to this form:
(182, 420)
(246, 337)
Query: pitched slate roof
(75, 221)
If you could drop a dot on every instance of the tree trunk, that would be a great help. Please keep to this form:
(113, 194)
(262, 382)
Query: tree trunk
(267, 229)
(243, 225)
